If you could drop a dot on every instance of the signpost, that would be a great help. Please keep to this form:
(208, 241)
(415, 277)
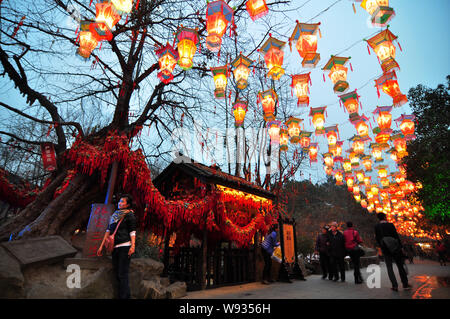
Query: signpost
(290, 268)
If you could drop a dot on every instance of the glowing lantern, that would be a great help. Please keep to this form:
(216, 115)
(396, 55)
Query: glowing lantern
(357, 144)
(369, 194)
(257, 8)
(87, 40)
(407, 126)
(239, 111)
(187, 45)
(360, 176)
(382, 171)
(399, 178)
(331, 132)
(376, 152)
(123, 5)
(328, 159)
(361, 127)
(367, 181)
(354, 159)
(350, 182)
(268, 99)
(370, 207)
(273, 128)
(100, 31)
(106, 14)
(284, 138)
(241, 70)
(218, 15)
(363, 203)
(300, 84)
(393, 154)
(293, 125)
(167, 59)
(318, 119)
(400, 145)
(347, 165)
(338, 73)
(382, 137)
(384, 181)
(356, 189)
(328, 170)
(273, 55)
(351, 103)
(305, 37)
(357, 197)
(379, 10)
(305, 139)
(384, 118)
(220, 75)
(374, 189)
(384, 49)
(339, 177)
(336, 150)
(388, 83)
(313, 151)
(367, 163)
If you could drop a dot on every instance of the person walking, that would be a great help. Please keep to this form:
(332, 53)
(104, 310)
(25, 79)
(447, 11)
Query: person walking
(387, 238)
(441, 250)
(124, 243)
(322, 244)
(337, 252)
(267, 248)
(352, 240)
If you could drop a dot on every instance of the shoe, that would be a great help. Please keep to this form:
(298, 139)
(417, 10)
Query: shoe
(407, 287)
(394, 288)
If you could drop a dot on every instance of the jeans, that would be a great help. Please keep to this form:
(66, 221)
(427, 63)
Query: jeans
(401, 270)
(337, 264)
(267, 264)
(356, 265)
(325, 264)
(121, 266)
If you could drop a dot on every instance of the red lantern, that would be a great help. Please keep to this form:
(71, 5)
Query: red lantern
(239, 111)
(293, 125)
(354, 159)
(88, 42)
(241, 70)
(313, 151)
(187, 45)
(272, 50)
(407, 126)
(106, 14)
(257, 8)
(332, 136)
(350, 182)
(268, 99)
(273, 128)
(338, 73)
(382, 137)
(300, 84)
(339, 176)
(318, 119)
(351, 102)
(218, 15)
(357, 144)
(305, 37)
(400, 145)
(384, 49)
(305, 139)
(167, 59)
(361, 127)
(336, 150)
(388, 83)
(384, 118)
(367, 162)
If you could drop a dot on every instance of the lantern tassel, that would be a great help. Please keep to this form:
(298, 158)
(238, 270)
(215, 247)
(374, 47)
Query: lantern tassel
(320, 34)
(137, 4)
(399, 46)
(351, 68)
(354, 9)
(368, 49)
(323, 76)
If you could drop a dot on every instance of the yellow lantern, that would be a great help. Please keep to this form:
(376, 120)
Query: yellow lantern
(328, 159)
(367, 181)
(293, 125)
(339, 177)
(239, 111)
(354, 159)
(382, 171)
(284, 138)
(350, 182)
(374, 189)
(384, 181)
(220, 74)
(376, 152)
(393, 154)
(347, 165)
(273, 55)
(318, 119)
(241, 70)
(360, 176)
(187, 45)
(357, 197)
(106, 14)
(88, 42)
(332, 136)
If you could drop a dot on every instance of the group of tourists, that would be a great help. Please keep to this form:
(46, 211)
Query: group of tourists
(333, 246)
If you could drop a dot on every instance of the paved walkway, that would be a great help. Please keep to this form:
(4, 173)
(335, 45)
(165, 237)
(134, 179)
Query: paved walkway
(429, 280)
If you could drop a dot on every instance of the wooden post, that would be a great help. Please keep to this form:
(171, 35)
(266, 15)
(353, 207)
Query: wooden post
(202, 274)
(166, 258)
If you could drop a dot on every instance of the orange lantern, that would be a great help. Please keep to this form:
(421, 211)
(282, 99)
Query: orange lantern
(273, 128)
(167, 59)
(367, 181)
(293, 125)
(124, 6)
(393, 154)
(272, 50)
(379, 10)
(356, 190)
(241, 70)
(268, 99)
(339, 176)
(382, 137)
(328, 159)
(300, 85)
(88, 42)
(239, 111)
(328, 170)
(257, 8)
(351, 102)
(381, 43)
(382, 171)
(388, 83)
(305, 38)
(106, 14)
(350, 182)
(357, 197)
(338, 73)
(360, 176)
(313, 151)
(384, 181)
(305, 139)
(220, 75)
(332, 134)
(336, 150)
(367, 163)
(363, 203)
(318, 119)
(284, 138)
(361, 127)
(376, 152)
(218, 15)
(407, 126)
(347, 165)
(187, 45)
(374, 189)
(354, 159)
(400, 145)
(384, 118)
(357, 144)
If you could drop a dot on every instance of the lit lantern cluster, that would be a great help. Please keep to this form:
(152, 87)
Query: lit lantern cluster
(305, 38)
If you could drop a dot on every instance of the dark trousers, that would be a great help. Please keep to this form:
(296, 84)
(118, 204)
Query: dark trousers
(356, 265)
(267, 264)
(324, 260)
(399, 261)
(337, 266)
(121, 266)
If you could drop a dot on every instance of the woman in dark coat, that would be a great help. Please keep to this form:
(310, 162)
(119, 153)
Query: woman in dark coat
(337, 252)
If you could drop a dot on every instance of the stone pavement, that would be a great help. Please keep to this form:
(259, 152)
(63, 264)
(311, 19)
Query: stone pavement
(428, 279)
